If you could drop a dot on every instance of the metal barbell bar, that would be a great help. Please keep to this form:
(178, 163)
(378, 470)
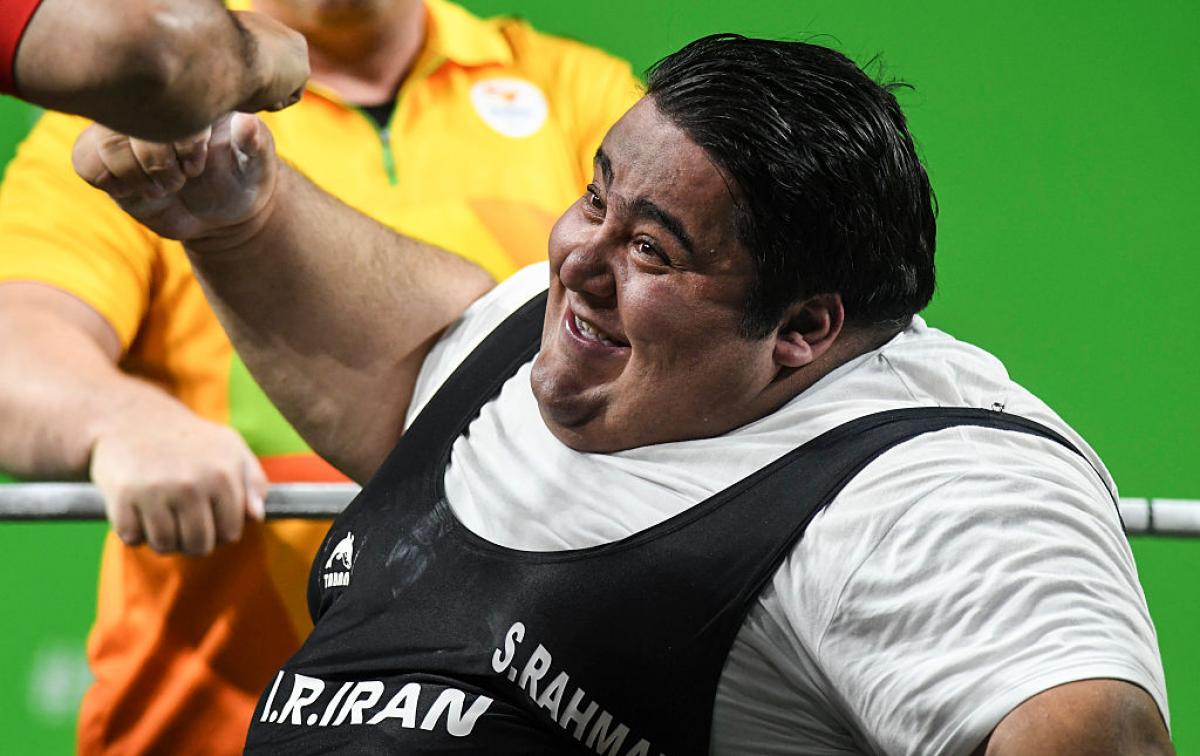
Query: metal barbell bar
(82, 501)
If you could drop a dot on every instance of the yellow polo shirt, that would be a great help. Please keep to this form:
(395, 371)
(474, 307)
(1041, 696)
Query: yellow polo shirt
(492, 136)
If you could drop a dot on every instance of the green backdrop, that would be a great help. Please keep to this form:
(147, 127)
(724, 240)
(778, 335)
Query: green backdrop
(1062, 142)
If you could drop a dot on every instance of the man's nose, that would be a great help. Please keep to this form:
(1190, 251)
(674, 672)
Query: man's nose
(588, 269)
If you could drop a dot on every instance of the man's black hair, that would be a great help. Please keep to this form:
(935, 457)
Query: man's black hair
(830, 194)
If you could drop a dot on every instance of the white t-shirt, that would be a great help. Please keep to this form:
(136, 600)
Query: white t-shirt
(957, 575)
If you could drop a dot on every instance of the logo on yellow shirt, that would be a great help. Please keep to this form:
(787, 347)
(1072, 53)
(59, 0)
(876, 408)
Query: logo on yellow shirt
(514, 107)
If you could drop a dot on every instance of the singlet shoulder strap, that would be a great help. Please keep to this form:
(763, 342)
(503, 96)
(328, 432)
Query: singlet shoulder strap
(475, 382)
(484, 371)
(892, 426)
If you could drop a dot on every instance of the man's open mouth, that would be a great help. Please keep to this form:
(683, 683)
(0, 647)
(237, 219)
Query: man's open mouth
(592, 333)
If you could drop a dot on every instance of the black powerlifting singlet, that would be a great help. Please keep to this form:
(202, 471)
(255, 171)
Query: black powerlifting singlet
(429, 639)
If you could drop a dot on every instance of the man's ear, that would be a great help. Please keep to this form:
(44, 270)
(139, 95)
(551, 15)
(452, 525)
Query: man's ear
(808, 330)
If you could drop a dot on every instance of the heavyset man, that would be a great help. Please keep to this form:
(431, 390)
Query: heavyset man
(466, 133)
(589, 532)
(158, 69)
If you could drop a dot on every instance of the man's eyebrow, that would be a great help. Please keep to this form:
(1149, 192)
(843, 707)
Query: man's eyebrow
(644, 208)
(605, 164)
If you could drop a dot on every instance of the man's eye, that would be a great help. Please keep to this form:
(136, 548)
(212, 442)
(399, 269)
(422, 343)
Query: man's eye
(647, 248)
(592, 198)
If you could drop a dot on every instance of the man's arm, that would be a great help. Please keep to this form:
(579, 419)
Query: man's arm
(169, 478)
(1086, 718)
(159, 69)
(332, 312)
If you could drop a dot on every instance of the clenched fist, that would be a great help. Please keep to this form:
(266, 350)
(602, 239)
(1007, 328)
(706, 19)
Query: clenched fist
(215, 185)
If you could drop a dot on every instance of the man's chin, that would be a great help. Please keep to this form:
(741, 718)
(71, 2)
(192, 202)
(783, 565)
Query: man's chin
(564, 414)
(576, 414)
(571, 419)
(589, 438)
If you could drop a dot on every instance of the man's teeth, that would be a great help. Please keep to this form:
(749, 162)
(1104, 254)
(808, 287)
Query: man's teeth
(587, 330)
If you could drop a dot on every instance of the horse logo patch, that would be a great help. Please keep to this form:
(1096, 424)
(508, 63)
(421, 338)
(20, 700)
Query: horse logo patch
(343, 554)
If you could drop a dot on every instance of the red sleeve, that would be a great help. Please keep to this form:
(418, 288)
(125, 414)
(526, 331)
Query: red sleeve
(14, 17)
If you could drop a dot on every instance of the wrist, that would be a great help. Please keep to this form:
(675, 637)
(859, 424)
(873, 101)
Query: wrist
(128, 403)
(247, 236)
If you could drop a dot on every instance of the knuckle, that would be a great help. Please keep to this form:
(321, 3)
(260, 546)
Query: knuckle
(130, 535)
(186, 147)
(122, 517)
(141, 491)
(117, 497)
(229, 522)
(197, 548)
(228, 486)
(186, 490)
(216, 482)
(162, 544)
(229, 535)
(152, 154)
(155, 488)
(107, 139)
(157, 165)
(166, 494)
(110, 184)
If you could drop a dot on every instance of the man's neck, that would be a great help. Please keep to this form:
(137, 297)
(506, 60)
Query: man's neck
(851, 343)
(366, 62)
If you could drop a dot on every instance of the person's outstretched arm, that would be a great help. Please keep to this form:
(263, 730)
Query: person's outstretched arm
(332, 312)
(170, 479)
(158, 69)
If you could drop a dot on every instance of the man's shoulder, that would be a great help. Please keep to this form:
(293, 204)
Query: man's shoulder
(475, 325)
(40, 182)
(492, 308)
(527, 40)
(557, 59)
(50, 135)
(937, 369)
(527, 44)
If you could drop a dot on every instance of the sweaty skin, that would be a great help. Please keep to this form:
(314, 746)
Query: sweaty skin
(248, 220)
(163, 70)
(648, 284)
(240, 218)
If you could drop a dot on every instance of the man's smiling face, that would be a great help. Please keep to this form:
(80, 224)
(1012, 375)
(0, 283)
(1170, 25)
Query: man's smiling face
(647, 287)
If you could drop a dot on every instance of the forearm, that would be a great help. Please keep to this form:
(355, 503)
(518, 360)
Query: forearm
(333, 314)
(61, 391)
(168, 477)
(158, 69)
